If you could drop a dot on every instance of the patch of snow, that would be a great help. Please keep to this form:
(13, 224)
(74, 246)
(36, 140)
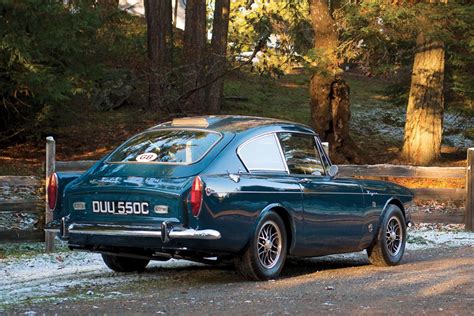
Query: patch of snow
(425, 236)
(47, 275)
(44, 276)
(391, 121)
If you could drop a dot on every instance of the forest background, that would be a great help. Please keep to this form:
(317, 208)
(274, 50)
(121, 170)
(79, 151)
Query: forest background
(382, 81)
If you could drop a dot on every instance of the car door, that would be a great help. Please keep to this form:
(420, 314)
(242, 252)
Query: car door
(332, 208)
(268, 185)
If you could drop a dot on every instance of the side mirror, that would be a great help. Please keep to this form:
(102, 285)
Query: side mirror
(333, 171)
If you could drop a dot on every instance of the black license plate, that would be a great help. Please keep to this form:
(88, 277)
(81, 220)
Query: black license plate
(120, 207)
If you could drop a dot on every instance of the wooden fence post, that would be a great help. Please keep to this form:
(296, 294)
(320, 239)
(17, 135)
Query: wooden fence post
(50, 169)
(469, 215)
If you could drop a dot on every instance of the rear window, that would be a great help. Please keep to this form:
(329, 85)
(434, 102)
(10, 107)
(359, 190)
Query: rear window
(167, 146)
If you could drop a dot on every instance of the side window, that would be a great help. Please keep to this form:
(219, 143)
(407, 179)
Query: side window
(301, 154)
(262, 154)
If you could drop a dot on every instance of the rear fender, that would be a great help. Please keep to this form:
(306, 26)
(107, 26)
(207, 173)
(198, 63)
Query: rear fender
(64, 178)
(395, 202)
(287, 219)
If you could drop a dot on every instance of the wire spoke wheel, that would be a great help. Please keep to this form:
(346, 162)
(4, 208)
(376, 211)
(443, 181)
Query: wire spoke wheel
(265, 254)
(393, 236)
(388, 246)
(269, 244)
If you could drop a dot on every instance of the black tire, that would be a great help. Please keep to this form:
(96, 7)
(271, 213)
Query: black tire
(389, 245)
(265, 260)
(125, 264)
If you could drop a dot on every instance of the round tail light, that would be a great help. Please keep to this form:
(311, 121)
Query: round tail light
(196, 196)
(52, 191)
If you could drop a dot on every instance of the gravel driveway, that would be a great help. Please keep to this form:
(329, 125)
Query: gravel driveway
(437, 280)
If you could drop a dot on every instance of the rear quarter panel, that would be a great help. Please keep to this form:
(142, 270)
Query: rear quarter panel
(233, 208)
(64, 179)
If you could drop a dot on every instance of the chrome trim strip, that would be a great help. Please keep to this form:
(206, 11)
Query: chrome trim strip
(51, 230)
(174, 233)
(299, 192)
(107, 226)
(322, 153)
(207, 234)
(282, 154)
(63, 229)
(108, 232)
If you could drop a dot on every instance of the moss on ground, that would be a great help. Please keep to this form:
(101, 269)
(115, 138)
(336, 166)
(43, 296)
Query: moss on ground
(27, 249)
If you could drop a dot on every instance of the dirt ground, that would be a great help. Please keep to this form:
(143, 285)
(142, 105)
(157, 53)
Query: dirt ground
(438, 281)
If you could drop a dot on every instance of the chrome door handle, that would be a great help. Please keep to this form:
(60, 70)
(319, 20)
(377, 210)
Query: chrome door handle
(304, 180)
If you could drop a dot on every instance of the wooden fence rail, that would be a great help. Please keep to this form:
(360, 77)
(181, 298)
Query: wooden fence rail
(381, 171)
(20, 207)
(400, 171)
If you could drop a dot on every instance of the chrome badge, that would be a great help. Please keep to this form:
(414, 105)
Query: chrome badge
(79, 206)
(161, 209)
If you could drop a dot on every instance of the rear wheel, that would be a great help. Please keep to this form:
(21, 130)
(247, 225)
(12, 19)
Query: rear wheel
(389, 245)
(265, 256)
(125, 264)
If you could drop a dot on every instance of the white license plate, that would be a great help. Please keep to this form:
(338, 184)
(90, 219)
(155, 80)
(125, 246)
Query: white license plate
(120, 207)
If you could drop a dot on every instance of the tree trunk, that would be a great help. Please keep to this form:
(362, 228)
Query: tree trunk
(330, 105)
(424, 120)
(220, 28)
(158, 18)
(195, 38)
(175, 13)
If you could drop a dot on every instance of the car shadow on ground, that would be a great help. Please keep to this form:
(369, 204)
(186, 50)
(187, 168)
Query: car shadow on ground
(197, 273)
(294, 267)
(226, 272)
(300, 266)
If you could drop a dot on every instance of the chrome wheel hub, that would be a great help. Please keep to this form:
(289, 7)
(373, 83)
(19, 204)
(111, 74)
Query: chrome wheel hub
(394, 236)
(269, 244)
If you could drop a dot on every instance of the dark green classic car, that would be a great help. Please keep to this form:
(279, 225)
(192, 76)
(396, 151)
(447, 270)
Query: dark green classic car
(249, 189)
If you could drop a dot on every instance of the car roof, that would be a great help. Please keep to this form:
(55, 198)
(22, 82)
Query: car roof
(232, 123)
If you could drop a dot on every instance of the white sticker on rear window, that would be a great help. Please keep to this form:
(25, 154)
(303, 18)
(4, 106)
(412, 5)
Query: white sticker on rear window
(146, 157)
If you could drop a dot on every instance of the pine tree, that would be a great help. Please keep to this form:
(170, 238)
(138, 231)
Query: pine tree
(158, 18)
(217, 56)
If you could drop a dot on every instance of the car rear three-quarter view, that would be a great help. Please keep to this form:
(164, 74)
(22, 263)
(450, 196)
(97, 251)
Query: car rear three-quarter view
(252, 190)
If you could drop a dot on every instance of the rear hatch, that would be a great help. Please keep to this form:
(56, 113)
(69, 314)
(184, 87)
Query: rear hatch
(145, 181)
(129, 200)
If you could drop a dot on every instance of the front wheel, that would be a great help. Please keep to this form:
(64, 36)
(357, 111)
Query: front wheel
(125, 264)
(389, 245)
(266, 253)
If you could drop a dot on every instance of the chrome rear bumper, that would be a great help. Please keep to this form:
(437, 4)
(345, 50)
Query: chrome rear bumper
(166, 233)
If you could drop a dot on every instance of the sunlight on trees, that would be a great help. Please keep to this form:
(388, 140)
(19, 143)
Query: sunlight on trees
(82, 51)
(424, 119)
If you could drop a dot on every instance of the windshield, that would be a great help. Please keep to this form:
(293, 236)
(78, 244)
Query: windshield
(167, 146)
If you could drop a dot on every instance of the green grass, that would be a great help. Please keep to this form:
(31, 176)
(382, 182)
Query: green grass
(286, 98)
(367, 90)
(84, 133)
